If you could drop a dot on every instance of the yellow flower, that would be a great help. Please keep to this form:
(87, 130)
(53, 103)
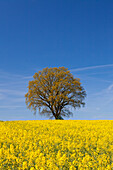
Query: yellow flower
(25, 165)
(32, 168)
(51, 144)
(72, 168)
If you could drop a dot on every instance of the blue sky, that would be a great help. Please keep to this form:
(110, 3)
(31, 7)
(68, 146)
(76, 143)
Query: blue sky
(78, 35)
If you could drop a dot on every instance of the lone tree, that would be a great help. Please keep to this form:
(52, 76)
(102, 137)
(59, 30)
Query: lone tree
(54, 89)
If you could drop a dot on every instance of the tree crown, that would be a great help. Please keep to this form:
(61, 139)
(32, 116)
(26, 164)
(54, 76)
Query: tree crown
(52, 90)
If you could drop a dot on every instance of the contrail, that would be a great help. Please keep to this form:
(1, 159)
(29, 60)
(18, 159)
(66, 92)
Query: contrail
(91, 67)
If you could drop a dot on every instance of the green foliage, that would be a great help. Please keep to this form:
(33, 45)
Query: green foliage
(52, 90)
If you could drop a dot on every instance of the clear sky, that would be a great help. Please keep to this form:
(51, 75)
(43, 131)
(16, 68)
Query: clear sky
(76, 34)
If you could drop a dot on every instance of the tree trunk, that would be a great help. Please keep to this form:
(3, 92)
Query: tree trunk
(59, 118)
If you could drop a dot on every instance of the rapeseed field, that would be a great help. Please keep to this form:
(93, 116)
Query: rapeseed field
(56, 145)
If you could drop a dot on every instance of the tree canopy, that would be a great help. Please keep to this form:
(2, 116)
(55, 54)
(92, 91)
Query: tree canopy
(53, 91)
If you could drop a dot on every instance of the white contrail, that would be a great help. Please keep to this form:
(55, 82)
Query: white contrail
(7, 107)
(110, 87)
(28, 77)
(91, 67)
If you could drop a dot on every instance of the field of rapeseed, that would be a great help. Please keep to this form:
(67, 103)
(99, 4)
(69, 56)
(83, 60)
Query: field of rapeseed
(56, 145)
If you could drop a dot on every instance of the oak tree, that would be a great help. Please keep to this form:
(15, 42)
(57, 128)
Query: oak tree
(53, 91)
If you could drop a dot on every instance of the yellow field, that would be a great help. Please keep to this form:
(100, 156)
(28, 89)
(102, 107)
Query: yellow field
(56, 145)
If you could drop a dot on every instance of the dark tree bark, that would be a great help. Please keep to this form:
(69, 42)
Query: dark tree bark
(59, 118)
